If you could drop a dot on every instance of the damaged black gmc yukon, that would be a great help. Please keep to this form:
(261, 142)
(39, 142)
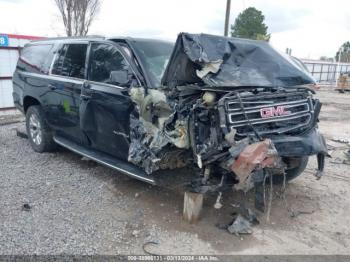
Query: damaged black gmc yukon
(235, 110)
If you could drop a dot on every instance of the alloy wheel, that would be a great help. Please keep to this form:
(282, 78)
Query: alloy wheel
(35, 129)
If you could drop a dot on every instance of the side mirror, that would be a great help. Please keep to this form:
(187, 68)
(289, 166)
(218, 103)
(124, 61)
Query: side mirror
(120, 77)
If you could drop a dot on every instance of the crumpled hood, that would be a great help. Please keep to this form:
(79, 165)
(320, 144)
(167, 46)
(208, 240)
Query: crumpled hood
(218, 61)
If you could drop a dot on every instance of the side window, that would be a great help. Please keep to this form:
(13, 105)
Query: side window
(36, 57)
(71, 61)
(57, 66)
(104, 59)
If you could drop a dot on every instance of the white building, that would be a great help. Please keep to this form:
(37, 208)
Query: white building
(10, 46)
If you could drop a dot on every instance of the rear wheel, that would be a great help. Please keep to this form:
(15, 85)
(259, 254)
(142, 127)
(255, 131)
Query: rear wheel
(39, 133)
(295, 166)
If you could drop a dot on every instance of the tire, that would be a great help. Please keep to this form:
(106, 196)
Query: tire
(39, 133)
(295, 166)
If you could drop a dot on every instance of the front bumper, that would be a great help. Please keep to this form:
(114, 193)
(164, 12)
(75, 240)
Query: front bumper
(308, 144)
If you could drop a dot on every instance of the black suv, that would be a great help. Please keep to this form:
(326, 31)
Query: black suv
(235, 110)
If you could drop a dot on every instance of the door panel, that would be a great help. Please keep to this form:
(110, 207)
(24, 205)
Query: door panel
(64, 89)
(105, 107)
(63, 107)
(105, 113)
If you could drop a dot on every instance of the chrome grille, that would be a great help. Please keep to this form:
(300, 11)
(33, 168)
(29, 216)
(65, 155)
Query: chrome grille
(298, 104)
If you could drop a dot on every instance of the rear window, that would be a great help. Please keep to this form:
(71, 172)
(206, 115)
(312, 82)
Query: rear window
(36, 57)
(71, 61)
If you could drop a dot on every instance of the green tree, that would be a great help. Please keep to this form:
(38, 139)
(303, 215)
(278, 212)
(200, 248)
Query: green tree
(250, 24)
(345, 53)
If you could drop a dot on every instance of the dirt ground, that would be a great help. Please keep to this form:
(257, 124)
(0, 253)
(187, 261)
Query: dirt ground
(78, 207)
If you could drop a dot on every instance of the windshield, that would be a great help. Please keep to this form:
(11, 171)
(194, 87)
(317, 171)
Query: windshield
(154, 56)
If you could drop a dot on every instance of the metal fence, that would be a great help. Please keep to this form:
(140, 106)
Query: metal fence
(326, 73)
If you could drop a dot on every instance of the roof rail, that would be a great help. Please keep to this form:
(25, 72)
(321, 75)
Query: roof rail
(72, 37)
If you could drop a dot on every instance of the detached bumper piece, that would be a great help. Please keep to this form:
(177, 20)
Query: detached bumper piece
(251, 168)
(254, 157)
(312, 143)
(320, 166)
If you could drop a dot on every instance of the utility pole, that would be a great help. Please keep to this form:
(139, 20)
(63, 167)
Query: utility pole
(227, 17)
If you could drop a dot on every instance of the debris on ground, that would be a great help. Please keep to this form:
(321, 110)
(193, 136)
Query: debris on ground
(135, 233)
(218, 203)
(26, 207)
(21, 134)
(341, 161)
(294, 214)
(244, 219)
(341, 155)
(240, 226)
(153, 242)
(342, 140)
(347, 154)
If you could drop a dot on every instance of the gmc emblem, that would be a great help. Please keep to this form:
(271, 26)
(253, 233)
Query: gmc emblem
(273, 111)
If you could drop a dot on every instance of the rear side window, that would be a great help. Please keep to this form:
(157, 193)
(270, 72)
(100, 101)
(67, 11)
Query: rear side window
(71, 61)
(36, 57)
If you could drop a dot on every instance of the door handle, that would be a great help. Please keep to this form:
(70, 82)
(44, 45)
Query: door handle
(51, 87)
(85, 91)
(85, 97)
(86, 85)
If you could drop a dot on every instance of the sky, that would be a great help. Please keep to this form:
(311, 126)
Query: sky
(311, 28)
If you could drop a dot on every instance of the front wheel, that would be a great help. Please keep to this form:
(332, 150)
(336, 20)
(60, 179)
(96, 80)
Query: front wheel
(295, 166)
(39, 133)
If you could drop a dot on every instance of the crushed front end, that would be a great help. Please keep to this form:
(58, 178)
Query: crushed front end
(238, 134)
(236, 109)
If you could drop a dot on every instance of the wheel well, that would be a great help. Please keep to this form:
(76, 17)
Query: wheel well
(29, 101)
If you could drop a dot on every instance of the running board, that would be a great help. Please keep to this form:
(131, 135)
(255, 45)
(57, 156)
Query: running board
(106, 160)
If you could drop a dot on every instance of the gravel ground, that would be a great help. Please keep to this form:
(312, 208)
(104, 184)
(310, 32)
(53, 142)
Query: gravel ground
(56, 203)
(76, 206)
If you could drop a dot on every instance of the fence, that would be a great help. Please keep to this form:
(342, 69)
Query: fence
(326, 73)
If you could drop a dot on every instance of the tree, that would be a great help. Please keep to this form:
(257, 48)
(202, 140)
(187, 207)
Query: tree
(345, 53)
(77, 15)
(250, 24)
